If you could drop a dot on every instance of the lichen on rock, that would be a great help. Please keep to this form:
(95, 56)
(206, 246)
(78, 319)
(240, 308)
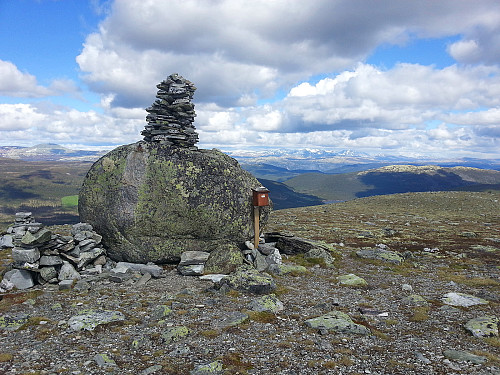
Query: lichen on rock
(158, 201)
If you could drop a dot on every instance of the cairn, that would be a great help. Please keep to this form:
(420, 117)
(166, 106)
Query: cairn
(40, 256)
(170, 118)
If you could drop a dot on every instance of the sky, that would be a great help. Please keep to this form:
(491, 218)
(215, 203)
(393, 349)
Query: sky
(412, 78)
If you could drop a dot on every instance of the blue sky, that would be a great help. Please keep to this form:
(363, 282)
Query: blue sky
(404, 78)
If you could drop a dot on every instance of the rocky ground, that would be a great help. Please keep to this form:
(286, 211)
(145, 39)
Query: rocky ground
(176, 324)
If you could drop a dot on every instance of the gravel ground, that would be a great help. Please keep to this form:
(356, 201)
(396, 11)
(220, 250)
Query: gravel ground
(404, 339)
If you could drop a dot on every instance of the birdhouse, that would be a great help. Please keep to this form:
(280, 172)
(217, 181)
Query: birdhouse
(260, 197)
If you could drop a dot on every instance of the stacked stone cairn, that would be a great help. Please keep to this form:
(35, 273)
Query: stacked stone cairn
(40, 256)
(170, 118)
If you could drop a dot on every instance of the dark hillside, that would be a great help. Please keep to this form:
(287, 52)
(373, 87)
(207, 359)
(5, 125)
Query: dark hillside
(284, 197)
(393, 179)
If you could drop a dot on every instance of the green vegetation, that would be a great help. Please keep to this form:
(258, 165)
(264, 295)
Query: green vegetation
(49, 189)
(69, 201)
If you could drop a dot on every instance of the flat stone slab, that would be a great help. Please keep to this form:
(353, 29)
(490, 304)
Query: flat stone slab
(338, 322)
(37, 238)
(215, 277)
(462, 299)
(90, 319)
(193, 257)
(463, 356)
(483, 326)
(20, 255)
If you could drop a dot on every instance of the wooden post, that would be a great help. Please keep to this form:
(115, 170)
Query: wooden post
(256, 214)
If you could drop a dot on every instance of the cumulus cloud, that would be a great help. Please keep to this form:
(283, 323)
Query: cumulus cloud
(15, 83)
(32, 123)
(19, 84)
(233, 48)
(281, 73)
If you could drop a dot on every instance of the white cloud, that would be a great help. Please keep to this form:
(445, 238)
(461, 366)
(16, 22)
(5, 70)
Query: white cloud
(31, 124)
(232, 49)
(15, 83)
(19, 84)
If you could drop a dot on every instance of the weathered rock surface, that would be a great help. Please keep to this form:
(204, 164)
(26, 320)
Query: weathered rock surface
(351, 280)
(339, 322)
(90, 319)
(224, 260)
(151, 202)
(483, 326)
(20, 279)
(268, 302)
(462, 299)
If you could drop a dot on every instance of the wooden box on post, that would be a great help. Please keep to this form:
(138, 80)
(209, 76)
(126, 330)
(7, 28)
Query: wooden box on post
(260, 197)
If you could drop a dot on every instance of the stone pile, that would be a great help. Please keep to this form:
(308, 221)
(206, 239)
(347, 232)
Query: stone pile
(40, 256)
(170, 118)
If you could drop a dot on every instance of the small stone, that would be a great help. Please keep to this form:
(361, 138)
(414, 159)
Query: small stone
(6, 241)
(266, 303)
(173, 334)
(68, 272)
(104, 360)
(194, 257)
(381, 254)
(143, 280)
(352, 280)
(213, 277)
(231, 319)
(322, 255)
(153, 269)
(38, 238)
(13, 322)
(407, 288)
(65, 284)
(160, 312)
(81, 285)
(20, 279)
(247, 279)
(151, 370)
(191, 269)
(213, 368)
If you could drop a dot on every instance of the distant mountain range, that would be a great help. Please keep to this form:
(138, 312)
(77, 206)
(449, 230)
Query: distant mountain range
(280, 165)
(48, 152)
(308, 177)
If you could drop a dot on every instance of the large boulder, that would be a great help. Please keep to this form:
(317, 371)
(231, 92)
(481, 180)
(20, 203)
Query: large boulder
(151, 202)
